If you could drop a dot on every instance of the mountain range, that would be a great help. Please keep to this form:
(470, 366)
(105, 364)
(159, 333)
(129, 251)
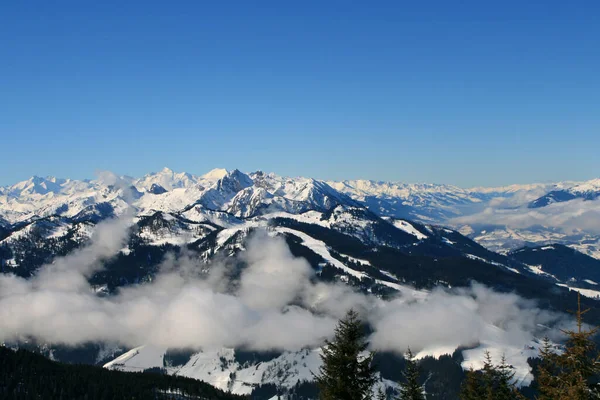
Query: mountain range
(483, 214)
(382, 238)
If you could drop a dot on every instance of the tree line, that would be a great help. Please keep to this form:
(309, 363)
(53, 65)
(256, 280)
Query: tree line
(349, 373)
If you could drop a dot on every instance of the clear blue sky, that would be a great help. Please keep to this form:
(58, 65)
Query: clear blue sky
(467, 93)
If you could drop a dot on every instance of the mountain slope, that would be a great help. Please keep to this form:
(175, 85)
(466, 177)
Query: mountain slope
(562, 262)
(27, 375)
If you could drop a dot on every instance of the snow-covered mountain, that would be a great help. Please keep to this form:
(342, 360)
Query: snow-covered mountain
(248, 195)
(231, 191)
(42, 217)
(589, 190)
(382, 238)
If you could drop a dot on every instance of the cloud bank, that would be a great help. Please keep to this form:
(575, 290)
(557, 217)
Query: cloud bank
(275, 303)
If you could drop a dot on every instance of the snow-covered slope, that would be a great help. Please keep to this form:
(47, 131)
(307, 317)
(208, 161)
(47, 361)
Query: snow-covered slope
(426, 202)
(232, 370)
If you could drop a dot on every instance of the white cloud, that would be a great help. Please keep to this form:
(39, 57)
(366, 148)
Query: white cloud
(276, 304)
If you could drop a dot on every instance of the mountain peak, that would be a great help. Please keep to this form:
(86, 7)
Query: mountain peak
(157, 189)
(215, 174)
(234, 181)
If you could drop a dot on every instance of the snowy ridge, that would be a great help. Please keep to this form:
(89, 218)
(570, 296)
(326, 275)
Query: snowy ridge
(225, 198)
(592, 186)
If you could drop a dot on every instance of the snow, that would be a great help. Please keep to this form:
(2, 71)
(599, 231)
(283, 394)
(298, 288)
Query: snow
(308, 217)
(208, 367)
(138, 359)
(405, 290)
(590, 281)
(388, 274)
(503, 240)
(215, 174)
(408, 228)
(201, 214)
(435, 352)
(321, 249)
(408, 192)
(219, 368)
(586, 187)
(430, 202)
(592, 294)
(515, 355)
(180, 239)
(225, 235)
(39, 197)
(447, 241)
(356, 260)
(238, 202)
(474, 257)
(537, 269)
(171, 201)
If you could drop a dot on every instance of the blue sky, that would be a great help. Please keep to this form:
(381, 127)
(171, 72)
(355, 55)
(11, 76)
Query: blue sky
(469, 94)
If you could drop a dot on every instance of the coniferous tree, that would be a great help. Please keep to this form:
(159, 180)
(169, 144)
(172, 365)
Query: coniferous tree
(411, 389)
(504, 388)
(472, 387)
(547, 374)
(493, 382)
(347, 372)
(381, 394)
(571, 375)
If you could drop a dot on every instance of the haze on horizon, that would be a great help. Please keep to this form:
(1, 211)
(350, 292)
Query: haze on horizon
(471, 95)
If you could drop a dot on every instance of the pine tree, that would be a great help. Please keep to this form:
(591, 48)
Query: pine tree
(381, 394)
(547, 379)
(570, 375)
(488, 376)
(493, 382)
(346, 373)
(411, 389)
(504, 388)
(472, 388)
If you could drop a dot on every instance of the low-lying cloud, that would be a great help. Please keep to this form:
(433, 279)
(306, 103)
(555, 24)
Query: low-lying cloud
(275, 303)
(464, 317)
(570, 217)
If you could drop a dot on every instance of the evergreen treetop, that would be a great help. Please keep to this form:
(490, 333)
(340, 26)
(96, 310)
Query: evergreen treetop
(347, 372)
(573, 374)
(411, 389)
